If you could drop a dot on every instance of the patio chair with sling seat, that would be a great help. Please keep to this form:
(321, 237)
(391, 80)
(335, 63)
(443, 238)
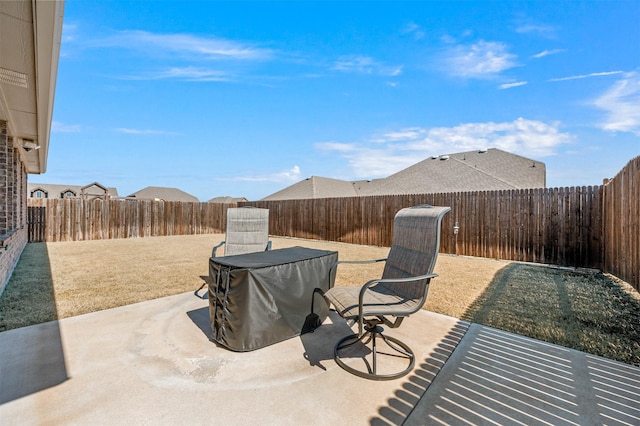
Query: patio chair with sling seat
(247, 232)
(401, 291)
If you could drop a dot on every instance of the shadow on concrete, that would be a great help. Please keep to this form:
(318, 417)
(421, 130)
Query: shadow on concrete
(32, 358)
(502, 378)
(497, 377)
(200, 318)
(319, 343)
(401, 405)
(203, 291)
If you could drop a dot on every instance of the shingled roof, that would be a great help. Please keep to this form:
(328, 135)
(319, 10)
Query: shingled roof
(227, 200)
(316, 187)
(92, 190)
(484, 170)
(164, 194)
(480, 170)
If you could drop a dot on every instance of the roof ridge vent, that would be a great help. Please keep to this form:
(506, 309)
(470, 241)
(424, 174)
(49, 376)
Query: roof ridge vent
(482, 150)
(444, 157)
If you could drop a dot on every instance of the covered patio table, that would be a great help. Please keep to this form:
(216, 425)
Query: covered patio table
(262, 298)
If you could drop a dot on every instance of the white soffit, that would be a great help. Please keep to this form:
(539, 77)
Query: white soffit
(30, 34)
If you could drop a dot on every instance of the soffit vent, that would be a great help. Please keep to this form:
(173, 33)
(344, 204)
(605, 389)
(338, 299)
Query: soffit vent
(14, 78)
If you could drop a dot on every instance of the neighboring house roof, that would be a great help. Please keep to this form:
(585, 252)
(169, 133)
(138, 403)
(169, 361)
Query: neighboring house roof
(164, 194)
(93, 190)
(485, 170)
(315, 187)
(480, 170)
(227, 200)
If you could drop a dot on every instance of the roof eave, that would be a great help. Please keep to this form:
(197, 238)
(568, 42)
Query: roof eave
(47, 33)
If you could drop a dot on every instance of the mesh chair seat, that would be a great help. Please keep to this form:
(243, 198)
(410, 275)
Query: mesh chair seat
(379, 300)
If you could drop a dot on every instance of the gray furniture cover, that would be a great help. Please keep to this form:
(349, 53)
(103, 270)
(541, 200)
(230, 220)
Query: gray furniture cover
(262, 298)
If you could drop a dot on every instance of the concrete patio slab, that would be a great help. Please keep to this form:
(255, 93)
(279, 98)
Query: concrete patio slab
(152, 363)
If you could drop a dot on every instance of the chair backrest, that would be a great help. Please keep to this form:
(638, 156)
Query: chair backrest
(414, 248)
(247, 230)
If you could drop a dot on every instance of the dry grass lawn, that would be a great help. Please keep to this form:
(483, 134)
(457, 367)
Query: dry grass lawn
(586, 311)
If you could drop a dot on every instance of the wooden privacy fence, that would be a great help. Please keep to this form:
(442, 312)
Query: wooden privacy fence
(621, 224)
(37, 223)
(594, 227)
(560, 226)
(77, 219)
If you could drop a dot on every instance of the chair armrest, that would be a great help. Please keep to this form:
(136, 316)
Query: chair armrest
(213, 252)
(369, 283)
(362, 261)
(335, 265)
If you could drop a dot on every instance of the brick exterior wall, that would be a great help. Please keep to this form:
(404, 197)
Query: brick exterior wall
(4, 147)
(13, 206)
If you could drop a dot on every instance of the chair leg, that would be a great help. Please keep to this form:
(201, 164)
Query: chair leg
(372, 331)
(205, 295)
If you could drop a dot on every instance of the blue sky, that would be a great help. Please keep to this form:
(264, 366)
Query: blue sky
(245, 98)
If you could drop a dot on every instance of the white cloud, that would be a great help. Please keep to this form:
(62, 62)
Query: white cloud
(547, 31)
(448, 39)
(547, 53)
(393, 151)
(286, 176)
(130, 131)
(414, 30)
(191, 74)
(365, 65)
(622, 104)
(370, 163)
(593, 74)
(483, 59)
(69, 32)
(187, 45)
(396, 71)
(526, 137)
(336, 146)
(353, 63)
(58, 127)
(512, 85)
(401, 135)
(291, 175)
